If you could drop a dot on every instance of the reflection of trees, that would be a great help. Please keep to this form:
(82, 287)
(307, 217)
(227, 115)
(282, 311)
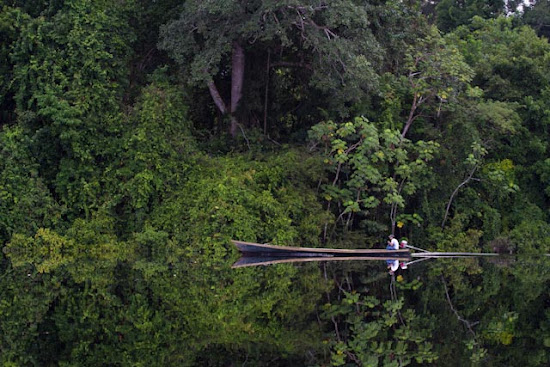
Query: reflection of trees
(454, 310)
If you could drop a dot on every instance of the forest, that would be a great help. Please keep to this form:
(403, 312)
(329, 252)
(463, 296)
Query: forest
(138, 138)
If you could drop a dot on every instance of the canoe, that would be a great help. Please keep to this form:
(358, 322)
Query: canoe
(265, 254)
(253, 249)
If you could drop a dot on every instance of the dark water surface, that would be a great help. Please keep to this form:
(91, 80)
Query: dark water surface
(185, 308)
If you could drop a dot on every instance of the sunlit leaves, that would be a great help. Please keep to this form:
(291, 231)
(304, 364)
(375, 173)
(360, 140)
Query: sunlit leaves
(370, 166)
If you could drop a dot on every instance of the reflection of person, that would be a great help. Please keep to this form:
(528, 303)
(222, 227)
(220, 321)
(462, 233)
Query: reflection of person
(393, 265)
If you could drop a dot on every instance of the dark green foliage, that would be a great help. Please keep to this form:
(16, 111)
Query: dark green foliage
(538, 17)
(293, 54)
(25, 202)
(453, 13)
(11, 21)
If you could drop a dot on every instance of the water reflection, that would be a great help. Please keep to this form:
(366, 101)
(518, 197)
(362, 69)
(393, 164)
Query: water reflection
(191, 308)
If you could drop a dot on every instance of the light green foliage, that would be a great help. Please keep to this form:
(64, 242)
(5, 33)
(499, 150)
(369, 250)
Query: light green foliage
(232, 198)
(119, 194)
(46, 250)
(89, 251)
(252, 201)
(497, 118)
(57, 59)
(181, 261)
(69, 73)
(456, 238)
(372, 170)
(501, 177)
(502, 331)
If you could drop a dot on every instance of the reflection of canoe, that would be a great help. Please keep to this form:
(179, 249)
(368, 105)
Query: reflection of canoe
(264, 254)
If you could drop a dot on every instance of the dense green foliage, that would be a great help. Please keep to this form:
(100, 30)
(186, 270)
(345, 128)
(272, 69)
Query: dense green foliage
(120, 187)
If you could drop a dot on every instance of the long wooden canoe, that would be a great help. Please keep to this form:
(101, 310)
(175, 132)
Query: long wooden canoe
(264, 254)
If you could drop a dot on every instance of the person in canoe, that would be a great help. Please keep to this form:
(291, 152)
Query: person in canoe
(393, 244)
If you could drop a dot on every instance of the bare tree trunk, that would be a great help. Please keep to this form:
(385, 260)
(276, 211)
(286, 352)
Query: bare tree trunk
(266, 89)
(237, 75)
(234, 126)
(237, 78)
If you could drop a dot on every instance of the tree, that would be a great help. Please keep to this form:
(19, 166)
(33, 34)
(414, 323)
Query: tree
(511, 69)
(436, 74)
(372, 171)
(329, 42)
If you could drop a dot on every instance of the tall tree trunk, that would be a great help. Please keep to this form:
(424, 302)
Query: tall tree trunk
(237, 78)
(266, 89)
(237, 75)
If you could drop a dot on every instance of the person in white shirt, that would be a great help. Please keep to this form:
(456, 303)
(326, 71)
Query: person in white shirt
(393, 243)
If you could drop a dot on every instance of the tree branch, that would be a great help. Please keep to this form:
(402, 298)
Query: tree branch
(218, 100)
(469, 325)
(468, 179)
(411, 117)
(290, 64)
